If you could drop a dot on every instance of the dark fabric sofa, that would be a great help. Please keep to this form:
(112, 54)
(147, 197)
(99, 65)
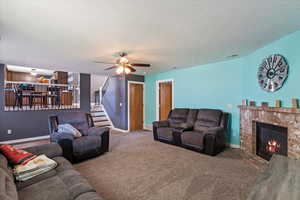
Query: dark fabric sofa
(202, 130)
(61, 183)
(95, 140)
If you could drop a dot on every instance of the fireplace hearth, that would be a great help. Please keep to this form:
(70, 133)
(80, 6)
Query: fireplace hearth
(270, 139)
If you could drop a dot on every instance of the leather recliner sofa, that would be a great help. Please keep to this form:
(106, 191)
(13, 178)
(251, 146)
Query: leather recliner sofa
(202, 130)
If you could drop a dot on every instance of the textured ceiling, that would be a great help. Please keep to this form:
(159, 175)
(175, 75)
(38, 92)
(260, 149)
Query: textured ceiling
(70, 34)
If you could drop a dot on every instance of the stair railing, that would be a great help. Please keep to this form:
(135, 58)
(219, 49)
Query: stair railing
(103, 89)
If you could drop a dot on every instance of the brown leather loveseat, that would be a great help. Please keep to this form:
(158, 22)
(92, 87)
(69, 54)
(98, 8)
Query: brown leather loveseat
(202, 130)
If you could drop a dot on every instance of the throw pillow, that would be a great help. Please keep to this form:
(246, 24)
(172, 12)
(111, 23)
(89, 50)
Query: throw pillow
(15, 155)
(69, 129)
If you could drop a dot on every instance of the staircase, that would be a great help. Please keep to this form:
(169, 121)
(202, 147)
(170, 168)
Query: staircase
(99, 116)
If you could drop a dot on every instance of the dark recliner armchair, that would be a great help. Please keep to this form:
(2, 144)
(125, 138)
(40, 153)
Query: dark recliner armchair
(93, 142)
(208, 133)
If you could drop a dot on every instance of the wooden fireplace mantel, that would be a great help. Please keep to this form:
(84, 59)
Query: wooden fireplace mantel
(271, 109)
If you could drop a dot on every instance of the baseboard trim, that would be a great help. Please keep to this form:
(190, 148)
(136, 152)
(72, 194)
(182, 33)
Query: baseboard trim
(25, 140)
(234, 146)
(121, 130)
(147, 127)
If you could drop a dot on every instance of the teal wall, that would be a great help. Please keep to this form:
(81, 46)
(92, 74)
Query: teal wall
(289, 47)
(223, 85)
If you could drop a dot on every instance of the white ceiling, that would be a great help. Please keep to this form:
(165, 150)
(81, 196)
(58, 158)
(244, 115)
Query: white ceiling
(70, 34)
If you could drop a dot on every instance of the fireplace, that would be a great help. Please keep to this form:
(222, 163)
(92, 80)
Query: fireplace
(270, 139)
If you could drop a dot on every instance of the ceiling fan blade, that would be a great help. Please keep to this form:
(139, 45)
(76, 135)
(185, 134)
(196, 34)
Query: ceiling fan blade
(103, 62)
(140, 65)
(131, 68)
(113, 67)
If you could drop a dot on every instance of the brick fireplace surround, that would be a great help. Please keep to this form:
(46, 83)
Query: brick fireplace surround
(285, 117)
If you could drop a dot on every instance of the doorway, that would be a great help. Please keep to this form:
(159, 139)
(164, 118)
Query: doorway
(136, 105)
(164, 101)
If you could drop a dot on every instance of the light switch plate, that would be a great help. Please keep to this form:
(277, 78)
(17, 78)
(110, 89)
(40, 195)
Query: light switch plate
(230, 106)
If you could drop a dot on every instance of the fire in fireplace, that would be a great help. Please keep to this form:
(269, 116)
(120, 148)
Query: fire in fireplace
(273, 146)
(270, 139)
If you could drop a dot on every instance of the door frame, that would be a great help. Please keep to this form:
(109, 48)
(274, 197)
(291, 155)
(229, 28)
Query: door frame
(128, 102)
(157, 95)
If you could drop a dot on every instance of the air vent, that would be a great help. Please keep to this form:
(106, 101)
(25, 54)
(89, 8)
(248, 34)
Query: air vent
(233, 56)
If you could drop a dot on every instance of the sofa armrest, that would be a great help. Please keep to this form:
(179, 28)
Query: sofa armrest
(181, 130)
(102, 132)
(65, 141)
(215, 130)
(177, 132)
(163, 123)
(67, 148)
(55, 137)
(50, 150)
(90, 120)
(214, 140)
(97, 131)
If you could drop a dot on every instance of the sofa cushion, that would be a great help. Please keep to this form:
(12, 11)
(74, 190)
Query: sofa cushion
(47, 189)
(191, 118)
(8, 189)
(89, 196)
(178, 118)
(85, 145)
(5, 166)
(77, 119)
(207, 118)
(178, 124)
(81, 126)
(67, 117)
(50, 150)
(63, 164)
(179, 113)
(165, 132)
(193, 138)
(64, 186)
(75, 183)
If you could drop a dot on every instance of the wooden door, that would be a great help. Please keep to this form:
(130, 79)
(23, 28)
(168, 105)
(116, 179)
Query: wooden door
(136, 106)
(165, 100)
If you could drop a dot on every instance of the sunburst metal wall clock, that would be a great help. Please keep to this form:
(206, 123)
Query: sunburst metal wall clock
(272, 73)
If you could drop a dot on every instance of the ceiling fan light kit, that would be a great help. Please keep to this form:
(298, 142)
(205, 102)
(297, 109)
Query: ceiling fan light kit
(123, 66)
(123, 70)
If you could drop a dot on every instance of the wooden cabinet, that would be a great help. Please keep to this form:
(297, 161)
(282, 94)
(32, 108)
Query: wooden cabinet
(10, 98)
(61, 77)
(66, 98)
(20, 77)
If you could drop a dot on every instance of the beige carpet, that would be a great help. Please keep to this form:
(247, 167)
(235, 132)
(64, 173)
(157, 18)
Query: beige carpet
(138, 168)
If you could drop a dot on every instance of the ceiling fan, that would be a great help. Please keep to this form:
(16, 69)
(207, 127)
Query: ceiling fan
(122, 64)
